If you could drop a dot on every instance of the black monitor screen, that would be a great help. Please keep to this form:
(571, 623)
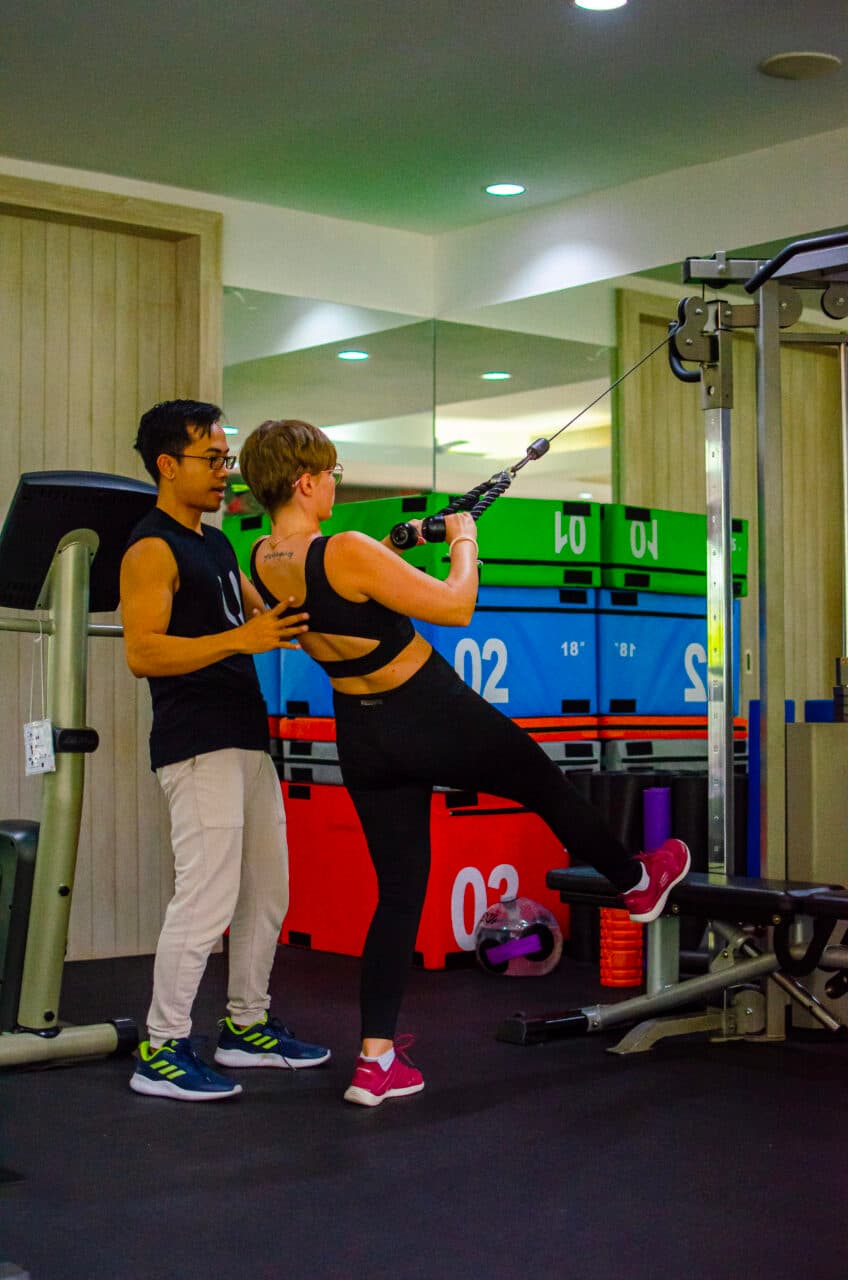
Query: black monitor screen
(49, 504)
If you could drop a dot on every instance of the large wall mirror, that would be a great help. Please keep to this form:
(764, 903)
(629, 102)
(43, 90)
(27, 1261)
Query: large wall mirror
(416, 405)
(365, 376)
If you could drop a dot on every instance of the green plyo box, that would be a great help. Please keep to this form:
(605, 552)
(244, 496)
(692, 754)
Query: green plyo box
(524, 542)
(646, 549)
(242, 532)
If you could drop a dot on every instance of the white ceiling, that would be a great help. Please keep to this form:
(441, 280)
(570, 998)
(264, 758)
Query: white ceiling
(397, 112)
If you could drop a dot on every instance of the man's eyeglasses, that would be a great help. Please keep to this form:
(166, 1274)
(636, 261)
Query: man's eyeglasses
(214, 461)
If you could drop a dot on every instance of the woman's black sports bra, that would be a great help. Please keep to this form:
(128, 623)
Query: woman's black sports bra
(332, 614)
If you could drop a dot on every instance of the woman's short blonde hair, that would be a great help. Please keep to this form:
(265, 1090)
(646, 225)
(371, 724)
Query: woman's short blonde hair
(275, 456)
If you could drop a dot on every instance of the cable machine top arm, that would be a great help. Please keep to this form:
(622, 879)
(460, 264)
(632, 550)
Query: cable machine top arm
(816, 247)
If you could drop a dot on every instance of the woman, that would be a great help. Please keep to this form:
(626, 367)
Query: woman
(405, 721)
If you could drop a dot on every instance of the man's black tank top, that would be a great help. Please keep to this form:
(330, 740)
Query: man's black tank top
(220, 705)
(331, 614)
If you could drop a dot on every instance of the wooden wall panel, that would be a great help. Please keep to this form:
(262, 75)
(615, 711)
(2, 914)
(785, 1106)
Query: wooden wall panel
(106, 306)
(57, 319)
(11, 646)
(660, 462)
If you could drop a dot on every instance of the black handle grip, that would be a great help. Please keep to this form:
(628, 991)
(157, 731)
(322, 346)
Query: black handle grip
(676, 365)
(404, 536)
(433, 528)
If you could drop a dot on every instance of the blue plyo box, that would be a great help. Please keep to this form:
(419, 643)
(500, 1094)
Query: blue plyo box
(818, 711)
(268, 671)
(305, 688)
(652, 653)
(529, 651)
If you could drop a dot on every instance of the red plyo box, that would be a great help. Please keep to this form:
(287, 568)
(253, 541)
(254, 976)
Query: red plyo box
(483, 849)
(627, 726)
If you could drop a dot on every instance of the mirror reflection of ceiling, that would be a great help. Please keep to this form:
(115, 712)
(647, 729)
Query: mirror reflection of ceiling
(418, 414)
(282, 360)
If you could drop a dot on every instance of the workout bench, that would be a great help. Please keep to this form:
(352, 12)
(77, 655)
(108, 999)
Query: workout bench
(796, 921)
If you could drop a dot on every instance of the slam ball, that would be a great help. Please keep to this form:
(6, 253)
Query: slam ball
(519, 938)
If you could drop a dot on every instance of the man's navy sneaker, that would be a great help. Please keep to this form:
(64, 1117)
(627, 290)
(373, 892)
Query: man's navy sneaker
(175, 1071)
(265, 1044)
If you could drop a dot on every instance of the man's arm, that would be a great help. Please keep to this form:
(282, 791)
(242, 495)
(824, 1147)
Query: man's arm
(148, 584)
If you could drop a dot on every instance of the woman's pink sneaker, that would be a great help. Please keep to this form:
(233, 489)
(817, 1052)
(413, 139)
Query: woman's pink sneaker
(371, 1085)
(665, 869)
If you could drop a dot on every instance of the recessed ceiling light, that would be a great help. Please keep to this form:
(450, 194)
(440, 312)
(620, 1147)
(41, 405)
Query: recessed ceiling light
(496, 375)
(600, 4)
(353, 355)
(505, 189)
(800, 66)
(231, 431)
(586, 496)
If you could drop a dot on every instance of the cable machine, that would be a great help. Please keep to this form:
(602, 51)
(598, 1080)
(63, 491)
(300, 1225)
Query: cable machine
(703, 334)
(799, 917)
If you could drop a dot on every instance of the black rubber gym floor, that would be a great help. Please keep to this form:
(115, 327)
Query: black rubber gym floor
(693, 1161)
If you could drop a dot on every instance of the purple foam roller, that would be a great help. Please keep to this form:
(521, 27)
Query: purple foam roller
(656, 817)
(526, 946)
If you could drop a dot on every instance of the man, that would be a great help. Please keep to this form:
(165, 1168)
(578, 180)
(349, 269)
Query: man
(183, 603)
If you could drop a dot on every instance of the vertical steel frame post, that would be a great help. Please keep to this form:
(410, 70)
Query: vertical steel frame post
(843, 377)
(63, 790)
(717, 400)
(771, 587)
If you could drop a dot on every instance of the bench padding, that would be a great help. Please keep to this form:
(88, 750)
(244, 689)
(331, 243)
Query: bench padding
(719, 897)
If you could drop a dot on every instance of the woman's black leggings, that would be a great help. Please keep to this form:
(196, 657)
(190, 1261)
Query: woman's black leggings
(434, 731)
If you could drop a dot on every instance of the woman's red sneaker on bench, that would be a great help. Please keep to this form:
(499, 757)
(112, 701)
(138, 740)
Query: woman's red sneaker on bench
(662, 871)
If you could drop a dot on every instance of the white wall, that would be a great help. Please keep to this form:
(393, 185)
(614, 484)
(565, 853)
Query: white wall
(791, 190)
(286, 251)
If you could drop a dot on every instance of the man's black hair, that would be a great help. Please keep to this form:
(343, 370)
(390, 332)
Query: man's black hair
(164, 429)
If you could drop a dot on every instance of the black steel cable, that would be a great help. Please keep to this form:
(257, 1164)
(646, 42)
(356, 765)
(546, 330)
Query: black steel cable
(481, 497)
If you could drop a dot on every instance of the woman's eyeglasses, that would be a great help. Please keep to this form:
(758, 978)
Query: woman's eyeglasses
(337, 472)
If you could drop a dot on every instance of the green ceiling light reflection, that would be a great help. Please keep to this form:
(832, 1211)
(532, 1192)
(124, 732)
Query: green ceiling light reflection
(505, 189)
(353, 355)
(496, 375)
